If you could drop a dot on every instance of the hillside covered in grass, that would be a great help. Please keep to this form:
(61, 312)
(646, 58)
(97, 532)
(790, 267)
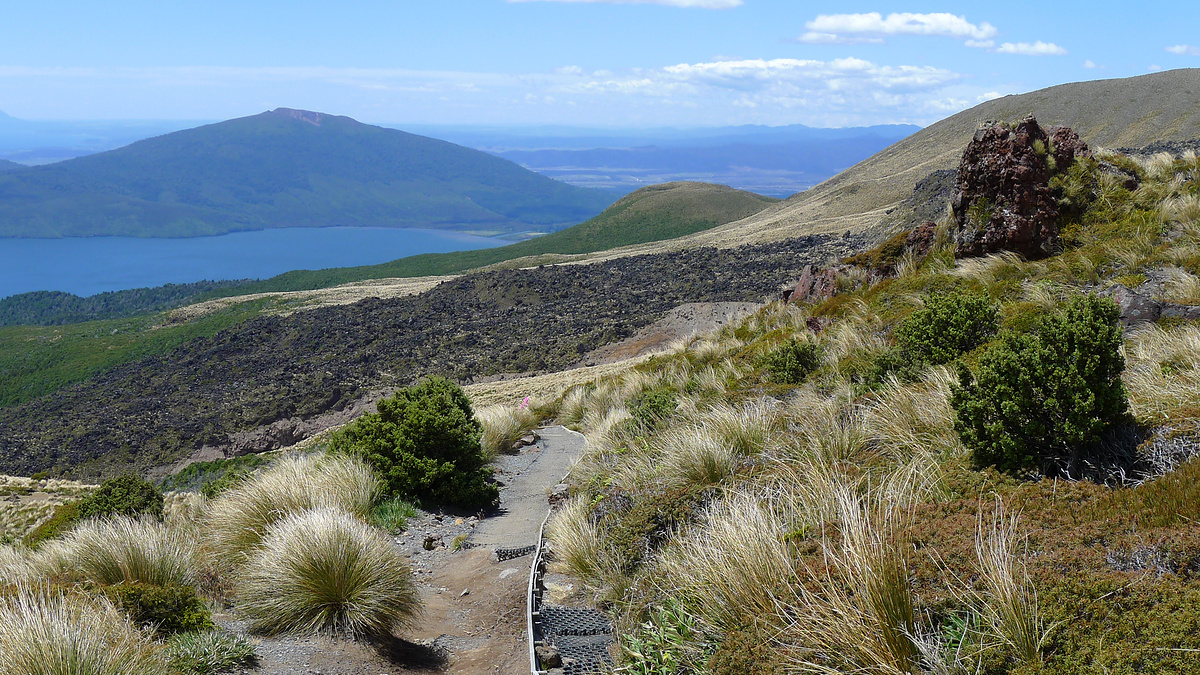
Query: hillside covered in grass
(650, 214)
(285, 168)
(950, 464)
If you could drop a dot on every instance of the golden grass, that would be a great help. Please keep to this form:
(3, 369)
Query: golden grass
(863, 619)
(1163, 373)
(44, 632)
(577, 545)
(123, 550)
(1010, 600)
(239, 519)
(326, 571)
(735, 566)
(1179, 285)
(504, 425)
(26, 503)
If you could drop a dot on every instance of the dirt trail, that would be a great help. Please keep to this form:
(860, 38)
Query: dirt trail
(474, 617)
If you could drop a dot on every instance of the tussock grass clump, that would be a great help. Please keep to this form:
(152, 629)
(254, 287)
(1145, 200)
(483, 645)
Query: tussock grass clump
(863, 620)
(15, 566)
(239, 519)
(736, 566)
(44, 632)
(1011, 603)
(571, 406)
(124, 550)
(503, 426)
(325, 571)
(1164, 374)
(577, 546)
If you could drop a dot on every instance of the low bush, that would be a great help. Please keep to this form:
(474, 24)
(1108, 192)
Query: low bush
(164, 609)
(948, 326)
(46, 632)
(654, 406)
(747, 650)
(325, 571)
(65, 516)
(424, 443)
(208, 652)
(128, 495)
(792, 361)
(1036, 399)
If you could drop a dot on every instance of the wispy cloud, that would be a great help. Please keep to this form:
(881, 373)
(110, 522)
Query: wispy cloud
(1090, 64)
(872, 26)
(834, 92)
(1184, 50)
(691, 4)
(1038, 48)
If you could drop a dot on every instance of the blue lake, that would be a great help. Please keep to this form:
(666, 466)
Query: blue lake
(89, 265)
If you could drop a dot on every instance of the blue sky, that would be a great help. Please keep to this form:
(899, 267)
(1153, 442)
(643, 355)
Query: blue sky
(634, 63)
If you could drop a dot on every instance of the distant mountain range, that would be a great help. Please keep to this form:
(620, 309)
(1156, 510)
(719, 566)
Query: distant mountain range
(777, 161)
(6, 165)
(286, 168)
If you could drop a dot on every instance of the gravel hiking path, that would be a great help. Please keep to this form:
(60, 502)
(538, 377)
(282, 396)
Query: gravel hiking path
(474, 617)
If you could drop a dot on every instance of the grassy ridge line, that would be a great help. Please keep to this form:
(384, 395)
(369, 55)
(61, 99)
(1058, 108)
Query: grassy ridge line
(654, 213)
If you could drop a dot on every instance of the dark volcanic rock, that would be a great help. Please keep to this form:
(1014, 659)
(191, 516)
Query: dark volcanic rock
(1003, 200)
(281, 372)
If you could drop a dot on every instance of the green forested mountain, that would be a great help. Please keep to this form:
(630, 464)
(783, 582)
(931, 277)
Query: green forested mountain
(285, 168)
(6, 165)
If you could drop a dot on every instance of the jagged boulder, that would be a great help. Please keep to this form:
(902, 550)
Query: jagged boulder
(1003, 200)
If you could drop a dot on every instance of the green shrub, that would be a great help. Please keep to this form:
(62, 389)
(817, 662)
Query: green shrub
(64, 517)
(166, 609)
(127, 495)
(948, 326)
(654, 406)
(792, 361)
(750, 650)
(1040, 397)
(208, 652)
(230, 479)
(424, 444)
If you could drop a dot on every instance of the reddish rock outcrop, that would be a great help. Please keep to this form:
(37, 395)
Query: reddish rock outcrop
(1003, 200)
(816, 284)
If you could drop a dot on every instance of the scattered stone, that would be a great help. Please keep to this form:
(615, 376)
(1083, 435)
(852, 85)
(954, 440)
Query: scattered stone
(1135, 307)
(466, 592)
(559, 493)
(432, 542)
(548, 656)
(1003, 200)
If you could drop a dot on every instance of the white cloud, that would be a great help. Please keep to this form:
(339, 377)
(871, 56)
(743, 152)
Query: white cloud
(1089, 64)
(982, 44)
(815, 38)
(836, 92)
(991, 95)
(1184, 50)
(1154, 67)
(697, 4)
(1038, 48)
(903, 23)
